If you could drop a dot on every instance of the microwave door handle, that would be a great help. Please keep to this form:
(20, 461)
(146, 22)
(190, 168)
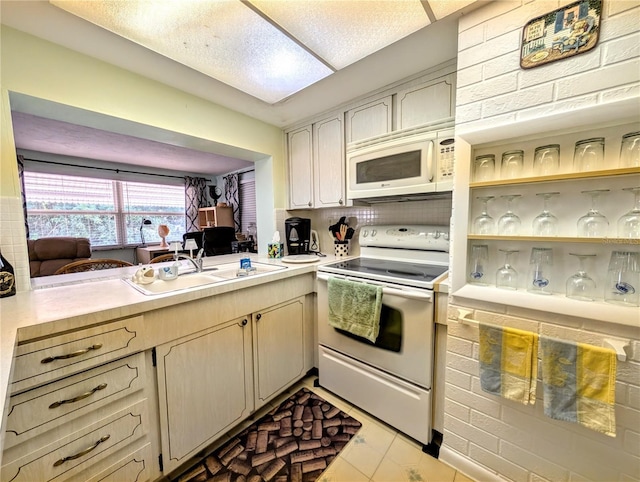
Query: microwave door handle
(430, 162)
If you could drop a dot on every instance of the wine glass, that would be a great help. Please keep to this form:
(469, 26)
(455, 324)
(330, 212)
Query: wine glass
(629, 223)
(509, 223)
(507, 276)
(545, 223)
(484, 224)
(593, 224)
(581, 286)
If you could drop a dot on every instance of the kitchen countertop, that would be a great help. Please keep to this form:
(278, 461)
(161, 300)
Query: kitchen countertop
(83, 300)
(71, 302)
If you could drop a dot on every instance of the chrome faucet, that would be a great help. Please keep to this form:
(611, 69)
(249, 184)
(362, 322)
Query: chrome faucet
(197, 263)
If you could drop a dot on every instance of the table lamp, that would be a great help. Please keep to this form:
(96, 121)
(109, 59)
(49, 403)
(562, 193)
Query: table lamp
(145, 222)
(190, 244)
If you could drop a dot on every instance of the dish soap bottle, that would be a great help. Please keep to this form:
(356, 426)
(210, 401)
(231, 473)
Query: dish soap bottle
(7, 278)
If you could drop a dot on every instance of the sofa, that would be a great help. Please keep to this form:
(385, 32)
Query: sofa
(46, 255)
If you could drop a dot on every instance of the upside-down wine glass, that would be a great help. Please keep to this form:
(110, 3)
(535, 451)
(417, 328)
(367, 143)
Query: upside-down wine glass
(484, 224)
(580, 286)
(629, 223)
(509, 223)
(594, 224)
(545, 223)
(507, 276)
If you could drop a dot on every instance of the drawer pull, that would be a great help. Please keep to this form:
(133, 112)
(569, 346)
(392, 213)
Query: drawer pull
(102, 386)
(80, 454)
(72, 355)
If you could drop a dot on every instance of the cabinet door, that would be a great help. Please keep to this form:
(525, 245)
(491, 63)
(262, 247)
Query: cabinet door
(329, 162)
(300, 168)
(279, 345)
(205, 387)
(369, 120)
(426, 104)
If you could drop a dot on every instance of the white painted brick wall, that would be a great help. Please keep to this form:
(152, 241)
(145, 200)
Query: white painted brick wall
(488, 436)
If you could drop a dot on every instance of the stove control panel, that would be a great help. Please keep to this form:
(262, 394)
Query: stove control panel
(412, 236)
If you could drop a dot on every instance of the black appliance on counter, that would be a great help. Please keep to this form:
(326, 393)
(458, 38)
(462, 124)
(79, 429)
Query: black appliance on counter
(298, 235)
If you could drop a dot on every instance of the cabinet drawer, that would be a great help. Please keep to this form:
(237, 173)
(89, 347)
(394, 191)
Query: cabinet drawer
(134, 467)
(36, 411)
(47, 360)
(77, 451)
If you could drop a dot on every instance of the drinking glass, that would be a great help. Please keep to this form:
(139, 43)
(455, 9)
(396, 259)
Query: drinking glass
(477, 263)
(484, 168)
(484, 224)
(581, 286)
(512, 164)
(507, 276)
(589, 155)
(630, 150)
(540, 264)
(546, 160)
(545, 223)
(593, 224)
(623, 278)
(509, 223)
(629, 223)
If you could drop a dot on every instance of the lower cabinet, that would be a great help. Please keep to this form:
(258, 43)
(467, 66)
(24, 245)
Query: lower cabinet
(205, 387)
(279, 348)
(210, 381)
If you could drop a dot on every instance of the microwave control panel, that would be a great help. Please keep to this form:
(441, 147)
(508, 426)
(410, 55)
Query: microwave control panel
(446, 156)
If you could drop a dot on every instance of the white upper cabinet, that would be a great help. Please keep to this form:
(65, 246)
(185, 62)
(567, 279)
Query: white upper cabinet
(299, 145)
(317, 164)
(426, 104)
(370, 120)
(329, 162)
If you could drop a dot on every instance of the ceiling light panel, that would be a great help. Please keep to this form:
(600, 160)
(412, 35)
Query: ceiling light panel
(343, 32)
(223, 39)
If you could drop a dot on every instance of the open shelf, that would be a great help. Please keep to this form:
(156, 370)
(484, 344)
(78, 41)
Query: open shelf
(555, 303)
(554, 239)
(557, 177)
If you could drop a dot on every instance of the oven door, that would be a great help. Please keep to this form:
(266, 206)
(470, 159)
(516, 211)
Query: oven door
(404, 346)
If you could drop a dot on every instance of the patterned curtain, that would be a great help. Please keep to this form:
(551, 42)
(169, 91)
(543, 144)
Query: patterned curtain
(195, 192)
(232, 194)
(24, 197)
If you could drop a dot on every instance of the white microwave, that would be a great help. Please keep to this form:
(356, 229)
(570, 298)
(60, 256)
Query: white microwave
(402, 167)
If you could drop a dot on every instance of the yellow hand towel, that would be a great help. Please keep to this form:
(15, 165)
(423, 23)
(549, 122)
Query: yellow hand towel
(509, 363)
(579, 384)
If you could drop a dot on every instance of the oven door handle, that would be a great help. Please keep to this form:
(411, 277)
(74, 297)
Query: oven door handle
(411, 294)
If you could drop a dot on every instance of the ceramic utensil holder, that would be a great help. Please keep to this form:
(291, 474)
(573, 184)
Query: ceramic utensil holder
(341, 249)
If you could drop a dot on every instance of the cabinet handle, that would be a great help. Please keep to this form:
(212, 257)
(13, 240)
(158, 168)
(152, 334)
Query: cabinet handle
(309, 203)
(244, 322)
(340, 202)
(72, 355)
(80, 454)
(102, 386)
(258, 316)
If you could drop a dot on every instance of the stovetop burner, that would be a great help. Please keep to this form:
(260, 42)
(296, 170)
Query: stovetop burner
(390, 269)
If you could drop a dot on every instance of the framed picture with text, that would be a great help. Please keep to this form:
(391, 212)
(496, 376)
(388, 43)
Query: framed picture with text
(563, 33)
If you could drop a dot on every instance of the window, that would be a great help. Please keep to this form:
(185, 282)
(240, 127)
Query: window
(109, 213)
(247, 200)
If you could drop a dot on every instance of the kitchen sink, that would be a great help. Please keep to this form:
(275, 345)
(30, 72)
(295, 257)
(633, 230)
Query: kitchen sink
(182, 282)
(233, 271)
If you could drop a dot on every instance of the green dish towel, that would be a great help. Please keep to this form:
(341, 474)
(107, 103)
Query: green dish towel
(355, 307)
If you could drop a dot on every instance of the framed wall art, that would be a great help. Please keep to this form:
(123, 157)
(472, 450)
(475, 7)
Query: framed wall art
(563, 33)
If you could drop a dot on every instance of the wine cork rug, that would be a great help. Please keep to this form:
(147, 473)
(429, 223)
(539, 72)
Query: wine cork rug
(294, 442)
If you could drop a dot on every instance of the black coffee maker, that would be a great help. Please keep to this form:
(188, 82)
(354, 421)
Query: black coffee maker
(298, 232)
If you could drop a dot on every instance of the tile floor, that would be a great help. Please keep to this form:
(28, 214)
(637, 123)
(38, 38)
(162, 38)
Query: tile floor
(378, 453)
